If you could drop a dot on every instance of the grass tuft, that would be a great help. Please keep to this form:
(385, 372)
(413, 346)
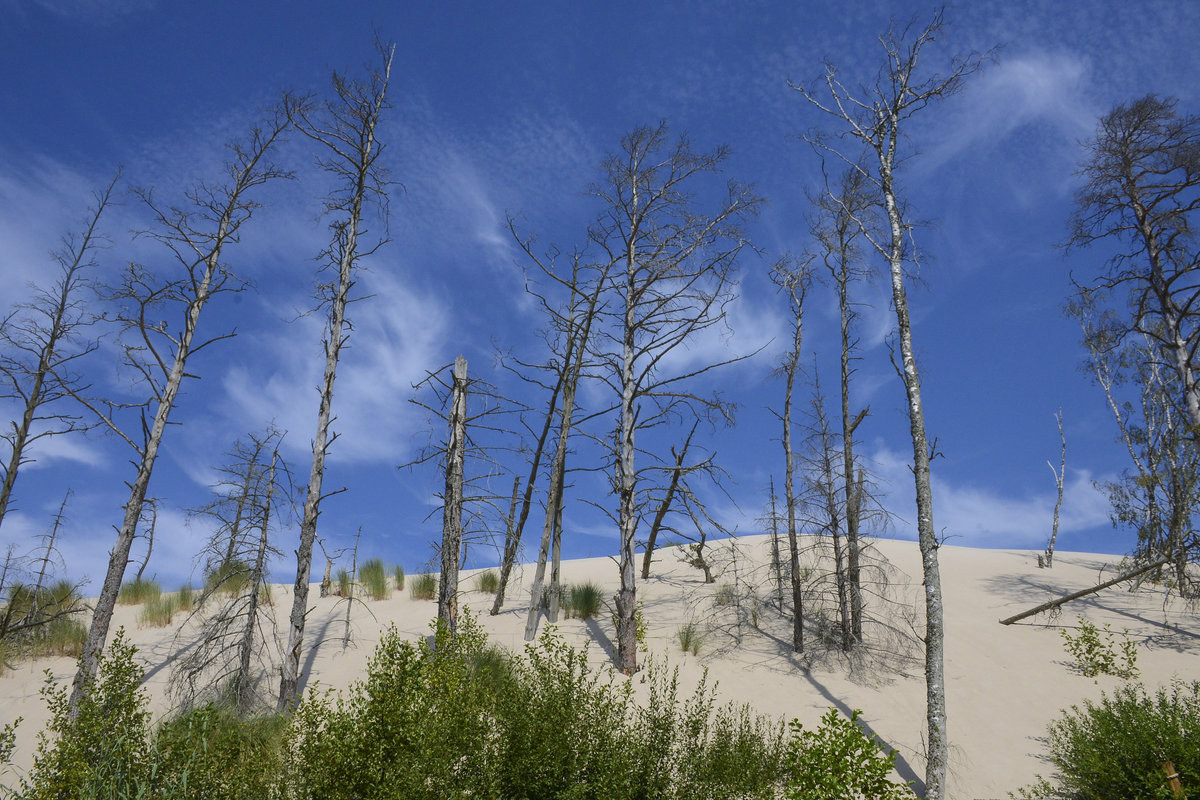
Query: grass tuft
(374, 579)
(423, 587)
(138, 591)
(398, 574)
(691, 638)
(488, 581)
(584, 600)
(158, 611)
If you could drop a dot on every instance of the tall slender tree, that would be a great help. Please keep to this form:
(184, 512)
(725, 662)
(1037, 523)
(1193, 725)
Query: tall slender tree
(344, 128)
(671, 279)
(40, 342)
(195, 235)
(875, 116)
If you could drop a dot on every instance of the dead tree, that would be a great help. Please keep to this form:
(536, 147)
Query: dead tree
(664, 506)
(452, 498)
(1142, 189)
(671, 278)
(227, 661)
(40, 342)
(874, 116)
(195, 235)
(1060, 476)
(839, 210)
(344, 130)
(151, 505)
(795, 282)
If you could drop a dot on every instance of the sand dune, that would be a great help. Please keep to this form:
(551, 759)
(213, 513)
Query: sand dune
(1004, 684)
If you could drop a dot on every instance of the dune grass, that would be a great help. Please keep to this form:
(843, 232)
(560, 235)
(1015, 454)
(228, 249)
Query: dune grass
(374, 579)
(138, 591)
(584, 600)
(229, 577)
(691, 638)
(398, 574)
(345, 586)
(488, 581)
(423, 587)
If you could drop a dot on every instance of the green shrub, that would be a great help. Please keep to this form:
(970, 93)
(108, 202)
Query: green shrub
(374, 579)
(691, 638)
(1095, 652)
(456, 718)
(840, 760)
(584, 600)
(1115, 748)
(488, 581)
(423, 587)
(104, 752)
(399, 576)
(138, 591)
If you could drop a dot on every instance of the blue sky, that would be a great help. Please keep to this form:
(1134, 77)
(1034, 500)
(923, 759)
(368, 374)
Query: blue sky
(505, 109)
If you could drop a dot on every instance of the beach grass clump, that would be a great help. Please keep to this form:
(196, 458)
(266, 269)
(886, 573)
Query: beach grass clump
(229, 577)
(724, 595)
(1122, 745)
(423, 587)
(138, 591)
(158, 611)
(41, 622)
(691, 637)
(345, 586)
(374, 579)
(398, 574)
(584, 600)
(488, 581)
(186, 596)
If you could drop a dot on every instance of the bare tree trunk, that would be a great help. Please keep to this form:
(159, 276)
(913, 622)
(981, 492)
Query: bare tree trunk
(243, 686)
(348, 132)
(776, 555)
(511, 540)
(452, 501)
(626, 600)
(556, 561)
(1085, 592)
(795, 285)
(149, 537)
(557, 471)
(226, 209)
(1059, 477)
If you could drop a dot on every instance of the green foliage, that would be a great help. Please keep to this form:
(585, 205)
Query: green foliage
(488, 581)
(691, 638)
(398, 574)
(209, 753)
(423, 587)
(138, 591)
(840, 760)
(1115, 748)
(456, 719)
(584, 600)
(104, 751)
(41, 622)
(374, 579)
(1096, 652)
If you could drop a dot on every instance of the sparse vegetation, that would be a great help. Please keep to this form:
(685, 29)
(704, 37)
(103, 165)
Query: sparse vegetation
(691, 638)
(423, 587)
(229, 577)
(1097, 652)
(398, 574)
(344, 583)
(488, 581)
(725, 595)
(158, 611)
(373, 577)
(138, 591)
(186, 596)
(584, 600)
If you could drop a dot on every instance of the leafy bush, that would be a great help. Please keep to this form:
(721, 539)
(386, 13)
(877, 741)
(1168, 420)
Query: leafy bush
(399, 576)
(1096, 653)
(584, 600)
(104, 752)
(209, 753)
(1115, 748)
(457, 719)
(840, 760)
(138, 591)
(691, 638)
(374, 579)
(423, 587)
(488, 581)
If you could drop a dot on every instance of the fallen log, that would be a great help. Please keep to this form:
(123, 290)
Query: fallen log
(1084, 592)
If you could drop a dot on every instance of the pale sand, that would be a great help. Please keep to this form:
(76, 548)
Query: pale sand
(1004, 683)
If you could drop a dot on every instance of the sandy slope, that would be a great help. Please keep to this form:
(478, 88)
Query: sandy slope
(1004, 683)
